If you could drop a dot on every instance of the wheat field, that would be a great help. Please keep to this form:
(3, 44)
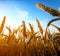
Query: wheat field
(29, 42)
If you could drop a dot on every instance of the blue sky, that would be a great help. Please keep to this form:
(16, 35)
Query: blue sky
(18, 10)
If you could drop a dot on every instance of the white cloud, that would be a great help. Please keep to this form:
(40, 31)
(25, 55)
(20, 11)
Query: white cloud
(23, 14)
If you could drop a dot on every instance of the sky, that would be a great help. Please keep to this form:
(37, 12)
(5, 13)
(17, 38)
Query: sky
(18, 10)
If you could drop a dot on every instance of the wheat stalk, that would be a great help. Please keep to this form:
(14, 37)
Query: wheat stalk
(52, 21)
(8, 29)
(48, 26)
(56, 27)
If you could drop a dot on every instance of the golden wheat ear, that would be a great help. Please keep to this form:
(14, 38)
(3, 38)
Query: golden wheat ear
(2, 24)
(31, 28)
(49, 10)
(39, 26)
(24, 28)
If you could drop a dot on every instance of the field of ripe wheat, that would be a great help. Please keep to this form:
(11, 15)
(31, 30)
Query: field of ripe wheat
(25, 42)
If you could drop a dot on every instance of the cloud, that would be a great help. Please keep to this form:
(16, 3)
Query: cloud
(23, 14)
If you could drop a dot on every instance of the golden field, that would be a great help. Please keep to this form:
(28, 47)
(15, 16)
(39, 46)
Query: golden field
(25, 42)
